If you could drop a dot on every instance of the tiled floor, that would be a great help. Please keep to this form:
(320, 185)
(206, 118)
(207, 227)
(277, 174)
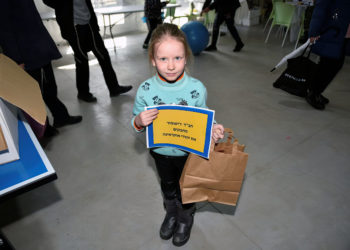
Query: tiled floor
(296, 190)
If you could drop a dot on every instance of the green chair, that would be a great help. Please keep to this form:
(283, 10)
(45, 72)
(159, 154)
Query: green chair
(209, 19)
(283, 16)
(170, 12)
(272, 14)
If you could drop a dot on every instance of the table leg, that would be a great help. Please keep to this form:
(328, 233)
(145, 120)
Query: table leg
(110, 31)
(104, 25)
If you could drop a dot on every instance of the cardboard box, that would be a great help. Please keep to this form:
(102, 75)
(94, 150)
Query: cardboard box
(17, 90)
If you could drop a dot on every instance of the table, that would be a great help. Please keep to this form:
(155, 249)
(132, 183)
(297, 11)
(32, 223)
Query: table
(298, 18)
(33, 169)
(127, 10)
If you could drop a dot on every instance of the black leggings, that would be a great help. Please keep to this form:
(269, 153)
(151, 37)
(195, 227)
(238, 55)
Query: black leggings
(89, 39)
(169, 169)
(46, 79)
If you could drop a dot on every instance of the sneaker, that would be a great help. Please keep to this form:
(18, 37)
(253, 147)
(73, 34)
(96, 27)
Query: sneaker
(87, 97)
(210, 48)
(68, 121)
(145, 46)
(238, 47)
(119, 90)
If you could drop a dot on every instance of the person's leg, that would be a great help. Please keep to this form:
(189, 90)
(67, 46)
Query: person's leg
(219, 19)
(152, 25)
(57, 108)
(80, 47)
(229, 19)
(102, 55)
(37, 75)
(329, 68)
(168, 174)
(185, 212)
(325, 72)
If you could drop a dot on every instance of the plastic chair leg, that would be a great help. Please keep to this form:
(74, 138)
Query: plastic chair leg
(268, 34)
(285, 36)
(267, 23)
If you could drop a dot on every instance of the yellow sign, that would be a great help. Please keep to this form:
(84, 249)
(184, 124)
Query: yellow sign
(187, 128)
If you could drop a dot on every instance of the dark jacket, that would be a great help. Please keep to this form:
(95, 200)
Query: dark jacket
(330, 21)
(65, 16)
(153, 9)
(222, 6)
(23, 36)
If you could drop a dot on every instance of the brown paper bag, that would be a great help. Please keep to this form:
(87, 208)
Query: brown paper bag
(218, 179)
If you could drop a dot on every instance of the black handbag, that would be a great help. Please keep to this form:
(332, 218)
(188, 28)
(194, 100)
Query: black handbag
(297, 77)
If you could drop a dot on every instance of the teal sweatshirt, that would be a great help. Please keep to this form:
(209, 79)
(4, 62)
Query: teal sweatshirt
(187, 91)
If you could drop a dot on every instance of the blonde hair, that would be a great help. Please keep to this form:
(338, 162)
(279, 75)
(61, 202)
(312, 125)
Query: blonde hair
(168, 30)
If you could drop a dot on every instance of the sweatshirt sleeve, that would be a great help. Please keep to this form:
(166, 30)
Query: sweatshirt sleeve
(318, 17)
(139, 106)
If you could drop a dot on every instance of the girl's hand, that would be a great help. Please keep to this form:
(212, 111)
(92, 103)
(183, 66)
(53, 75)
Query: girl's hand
(146, 117)
(217, 132)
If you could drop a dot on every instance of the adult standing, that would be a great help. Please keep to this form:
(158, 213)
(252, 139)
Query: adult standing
(24, 39)
(153, 14)
(78, 24)
(225, 11)
(329, 33)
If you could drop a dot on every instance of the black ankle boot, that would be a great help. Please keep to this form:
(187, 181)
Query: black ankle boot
(169, 223)
(315, 100)
(184, 225)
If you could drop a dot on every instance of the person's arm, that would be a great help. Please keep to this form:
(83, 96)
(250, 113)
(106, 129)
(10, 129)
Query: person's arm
(318, 18)
(205, 7)
(142, 118)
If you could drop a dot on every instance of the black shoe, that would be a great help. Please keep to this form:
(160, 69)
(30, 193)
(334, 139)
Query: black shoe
(68, 121)
(119, 90)
(315, 101)
(211, 48)
(238, 47)
(145, 46)
(50, 131)
(184, 225)
(324, 99)
(168, 226)
(87, 97)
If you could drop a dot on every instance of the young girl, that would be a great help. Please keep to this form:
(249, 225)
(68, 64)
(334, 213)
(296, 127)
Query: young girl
(153, 13)
(169, 53)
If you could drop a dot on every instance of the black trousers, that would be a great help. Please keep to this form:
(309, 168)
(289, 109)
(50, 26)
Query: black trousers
(326, 70)
(169, 169)
(152, 25)
(89, 39)
(46, 80)
(229, 20)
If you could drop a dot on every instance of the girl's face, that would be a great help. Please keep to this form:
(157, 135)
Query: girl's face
(169, 58)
